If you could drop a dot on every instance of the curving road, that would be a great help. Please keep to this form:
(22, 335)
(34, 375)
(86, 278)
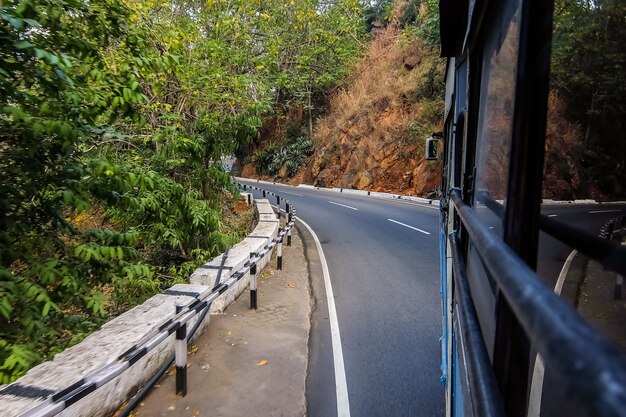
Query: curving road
(383, 263)
(384, 266)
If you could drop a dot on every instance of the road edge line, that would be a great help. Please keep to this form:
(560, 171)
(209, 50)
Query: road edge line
(536, 382)
(341, 385)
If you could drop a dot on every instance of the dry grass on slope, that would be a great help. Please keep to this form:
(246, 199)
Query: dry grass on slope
(372, 137)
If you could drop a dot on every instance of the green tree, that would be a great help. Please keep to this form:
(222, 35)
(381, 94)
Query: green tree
(54, 89)
(589, 58)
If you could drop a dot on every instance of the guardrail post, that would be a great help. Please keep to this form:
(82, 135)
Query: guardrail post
(180, 347)
(619, 282)
(289, 237)
(288, 211)
(278, 201)
(279, 253)
(253, 271)
(249, 199)
(263, 193)
(245, 187)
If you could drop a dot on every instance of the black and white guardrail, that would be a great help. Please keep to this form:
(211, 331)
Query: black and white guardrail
(64, 398)
(615, 229)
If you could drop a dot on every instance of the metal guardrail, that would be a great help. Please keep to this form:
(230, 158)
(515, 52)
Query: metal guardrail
(590, 370)
(68, 396)
(615, 229)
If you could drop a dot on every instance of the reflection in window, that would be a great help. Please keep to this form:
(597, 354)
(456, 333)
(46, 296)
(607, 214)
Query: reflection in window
(495, 119)
(497, 99)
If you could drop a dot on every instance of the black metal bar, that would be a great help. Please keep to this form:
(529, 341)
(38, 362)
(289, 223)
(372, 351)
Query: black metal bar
(219, 272)
(610, 254)
(590, 371)
(486, 401)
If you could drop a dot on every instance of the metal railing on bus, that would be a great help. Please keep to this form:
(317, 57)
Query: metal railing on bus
(609, 253)
(591, 371)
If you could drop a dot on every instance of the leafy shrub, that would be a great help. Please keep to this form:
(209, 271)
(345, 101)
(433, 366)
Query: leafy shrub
(380, 11)
(263, 159)
(270, 160)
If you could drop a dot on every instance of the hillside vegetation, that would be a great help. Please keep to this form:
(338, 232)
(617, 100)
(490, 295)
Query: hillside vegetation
(369, 133)
(373, 136)
(372, 130)
(114, 116)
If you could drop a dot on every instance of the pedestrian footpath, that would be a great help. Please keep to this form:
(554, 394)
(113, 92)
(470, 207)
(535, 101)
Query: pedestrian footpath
(248, 362)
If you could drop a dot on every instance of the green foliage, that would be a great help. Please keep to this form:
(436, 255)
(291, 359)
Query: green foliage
(271, 159)
(264, 157)
(379, 11)
(589, 54)
(423, 17)
(118, 112)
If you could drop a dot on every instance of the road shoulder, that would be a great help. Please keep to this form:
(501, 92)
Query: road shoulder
(249, 362)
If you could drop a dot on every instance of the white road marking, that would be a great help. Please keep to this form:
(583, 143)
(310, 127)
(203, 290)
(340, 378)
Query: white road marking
(552, 215)
(410, 227)
(536, 384)
(604, 211)
(559, 282)
(287, 192)
(343, 205)
(341, 386)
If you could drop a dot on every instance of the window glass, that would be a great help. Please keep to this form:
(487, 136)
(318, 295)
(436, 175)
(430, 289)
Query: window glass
(495, 121)
(493, 144)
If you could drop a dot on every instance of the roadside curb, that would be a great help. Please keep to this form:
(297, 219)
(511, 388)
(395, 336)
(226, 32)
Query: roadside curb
(250, 362)
(364, 193)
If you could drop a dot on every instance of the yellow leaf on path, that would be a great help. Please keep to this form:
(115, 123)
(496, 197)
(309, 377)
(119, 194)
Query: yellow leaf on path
(263, 362)
(230, 333)
(196, 412)
(290, 285)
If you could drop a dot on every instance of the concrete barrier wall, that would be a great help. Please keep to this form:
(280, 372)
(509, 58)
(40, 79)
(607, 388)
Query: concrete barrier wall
(125, 331)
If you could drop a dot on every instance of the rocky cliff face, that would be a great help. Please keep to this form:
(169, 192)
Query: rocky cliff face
(373, 135)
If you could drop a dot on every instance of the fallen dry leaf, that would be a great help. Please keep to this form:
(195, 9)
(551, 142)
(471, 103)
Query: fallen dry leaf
(263, 362)
(196, 412)
(230, 333)
(290, 285)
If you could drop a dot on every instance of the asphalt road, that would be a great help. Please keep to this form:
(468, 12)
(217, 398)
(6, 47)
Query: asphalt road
(385, 278)
(591, 218)
(383, 261)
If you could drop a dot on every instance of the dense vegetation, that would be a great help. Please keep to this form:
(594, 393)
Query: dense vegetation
(113, 117)
(589, 72)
